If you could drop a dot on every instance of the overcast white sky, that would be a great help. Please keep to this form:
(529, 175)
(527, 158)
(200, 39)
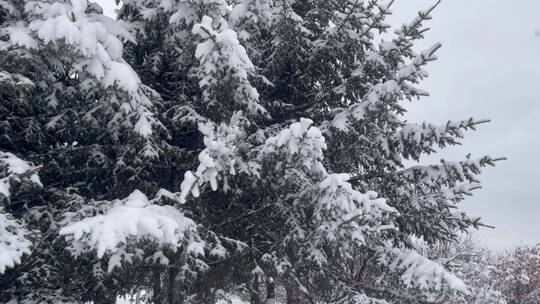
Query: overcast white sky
(489, 67)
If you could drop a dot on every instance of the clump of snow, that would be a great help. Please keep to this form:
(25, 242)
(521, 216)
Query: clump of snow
(16, 169)
(420, 272)
(15, 79)
(96, 43)
(134, 218)
(90, 36)
(219, 159)
(13, 244)
(20, 36)
(220, 53)
(123, 74)
(249, 17)
(227, 298)
(363, 299)
(300, 138)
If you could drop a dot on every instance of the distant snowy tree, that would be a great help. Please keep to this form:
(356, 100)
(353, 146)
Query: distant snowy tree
(213, 150)
(517, 274)
(474, 264)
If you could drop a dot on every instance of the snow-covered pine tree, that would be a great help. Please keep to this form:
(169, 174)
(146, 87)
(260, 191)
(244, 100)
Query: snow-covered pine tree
(76, 109)
(277, 128)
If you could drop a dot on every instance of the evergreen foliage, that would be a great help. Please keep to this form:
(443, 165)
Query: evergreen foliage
(198, 148)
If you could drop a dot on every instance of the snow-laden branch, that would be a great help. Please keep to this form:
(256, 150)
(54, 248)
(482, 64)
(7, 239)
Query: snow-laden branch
(13, 244)
(132, 220)
(417, 271)
(13, 241)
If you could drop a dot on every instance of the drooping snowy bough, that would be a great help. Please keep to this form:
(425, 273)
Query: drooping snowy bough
(15, 174)
(132, 219)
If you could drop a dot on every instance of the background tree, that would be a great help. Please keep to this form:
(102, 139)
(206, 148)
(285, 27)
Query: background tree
(473, 263)
(517, 274)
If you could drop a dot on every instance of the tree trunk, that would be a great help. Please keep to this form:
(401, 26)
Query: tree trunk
(255, 295)
(138, 297)
(156, 288)
(174, 295)
(292, 291)
(270, 292)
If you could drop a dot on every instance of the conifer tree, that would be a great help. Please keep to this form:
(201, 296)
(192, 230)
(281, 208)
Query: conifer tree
(198, 148)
